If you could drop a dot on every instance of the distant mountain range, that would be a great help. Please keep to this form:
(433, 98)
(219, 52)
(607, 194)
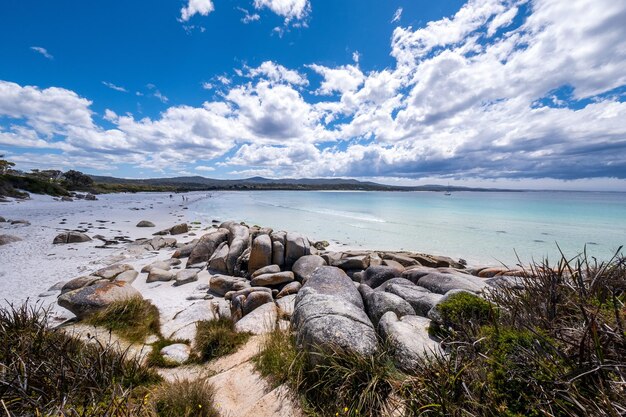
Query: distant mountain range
(198, 183)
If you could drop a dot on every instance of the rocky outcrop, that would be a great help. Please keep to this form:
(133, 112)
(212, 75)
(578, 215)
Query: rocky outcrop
(442, 283)
(79, 282)
(219, 260)
(272, 279)
(71, 237)
(296, 246)
(419, 298)
(304, 267)
(409, 339)
(375, 276)
(206, 246)
(221, 284)
(377, 303)
(329, 314)
(110, 272)
(177, 353)
(92, 298)
(288, 289)
(260, 253)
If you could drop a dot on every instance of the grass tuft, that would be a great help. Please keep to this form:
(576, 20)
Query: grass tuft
(133, 319)
(183, 398)
(48, 372)
(216, 338)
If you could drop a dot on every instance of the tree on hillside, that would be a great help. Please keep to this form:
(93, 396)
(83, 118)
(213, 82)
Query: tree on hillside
(77, 180)
(5, 165)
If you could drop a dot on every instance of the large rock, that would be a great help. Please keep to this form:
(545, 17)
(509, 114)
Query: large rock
(260, 321)
(329, 314)
(179, 229)
(206, 246)
(221, 284)
(442, 283)
(111, 271)
(145, 223)
(184, 251)
(403, 260)
(352, 262)
(408, 336)
(374, 276)
(157, 274)
(415, 273)
(420, 298)
(306, 265)
(79, 282)
(278, 253)
(289, 289)
(398, 281)
(261, 253)
(71, 237)
(87, 300)
(255, 300)
(158, 264)
(236, 249)
(270, 269)
(378, 303)
(272, 279)
(186, 276)
(127, 276)
(236, 231)
(219, 259)
(296, 246)
(6, 239)
(332, 281)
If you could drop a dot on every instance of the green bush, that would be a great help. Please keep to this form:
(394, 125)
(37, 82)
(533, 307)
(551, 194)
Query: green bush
(278, 359)
(215, 338)
(133, 319)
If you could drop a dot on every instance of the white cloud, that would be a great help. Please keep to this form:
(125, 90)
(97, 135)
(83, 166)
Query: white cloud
(356, 57)
(276, 73)
(291, 10)
(204, 168)
(207, 86)
(201, 7)
(115, 87)
(460, 102)
(247, 16)
(338, 80)
(397, 15)
(42, 51)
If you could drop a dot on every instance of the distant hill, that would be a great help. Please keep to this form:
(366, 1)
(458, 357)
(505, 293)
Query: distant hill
(198, 183)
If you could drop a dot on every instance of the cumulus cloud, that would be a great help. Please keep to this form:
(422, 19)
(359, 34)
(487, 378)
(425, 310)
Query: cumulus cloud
(291, 10)
(43, 51)
(201, 7)
(502, 89)
(247, 16)
(276, 73)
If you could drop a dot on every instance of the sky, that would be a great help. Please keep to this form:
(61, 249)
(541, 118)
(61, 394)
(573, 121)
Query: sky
(508, 93)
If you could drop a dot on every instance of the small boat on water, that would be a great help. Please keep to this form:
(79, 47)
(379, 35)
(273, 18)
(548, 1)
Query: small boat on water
(448, 190)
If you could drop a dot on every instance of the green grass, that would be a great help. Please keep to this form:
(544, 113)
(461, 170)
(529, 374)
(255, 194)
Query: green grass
(463, 312)
(134, 319)
(184, 398)
(50, 372)
(279, 360)
(216, 338)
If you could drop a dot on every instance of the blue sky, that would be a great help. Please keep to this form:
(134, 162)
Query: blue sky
(487, 92)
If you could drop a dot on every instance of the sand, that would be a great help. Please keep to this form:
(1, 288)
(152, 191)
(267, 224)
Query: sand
(31, 266)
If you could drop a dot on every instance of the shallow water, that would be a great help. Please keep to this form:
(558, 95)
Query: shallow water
(485, 228)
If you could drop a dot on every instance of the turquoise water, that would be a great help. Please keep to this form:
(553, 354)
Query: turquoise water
(483, 228)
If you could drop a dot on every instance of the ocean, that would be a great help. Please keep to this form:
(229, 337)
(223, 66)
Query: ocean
(480, 227)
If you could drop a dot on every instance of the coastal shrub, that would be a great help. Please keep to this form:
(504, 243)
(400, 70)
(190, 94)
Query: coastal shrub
(215, 338)
(11, 184)
(46, 371)
(133, 319)
(556, 347)
(184, 398)
(463, 312)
